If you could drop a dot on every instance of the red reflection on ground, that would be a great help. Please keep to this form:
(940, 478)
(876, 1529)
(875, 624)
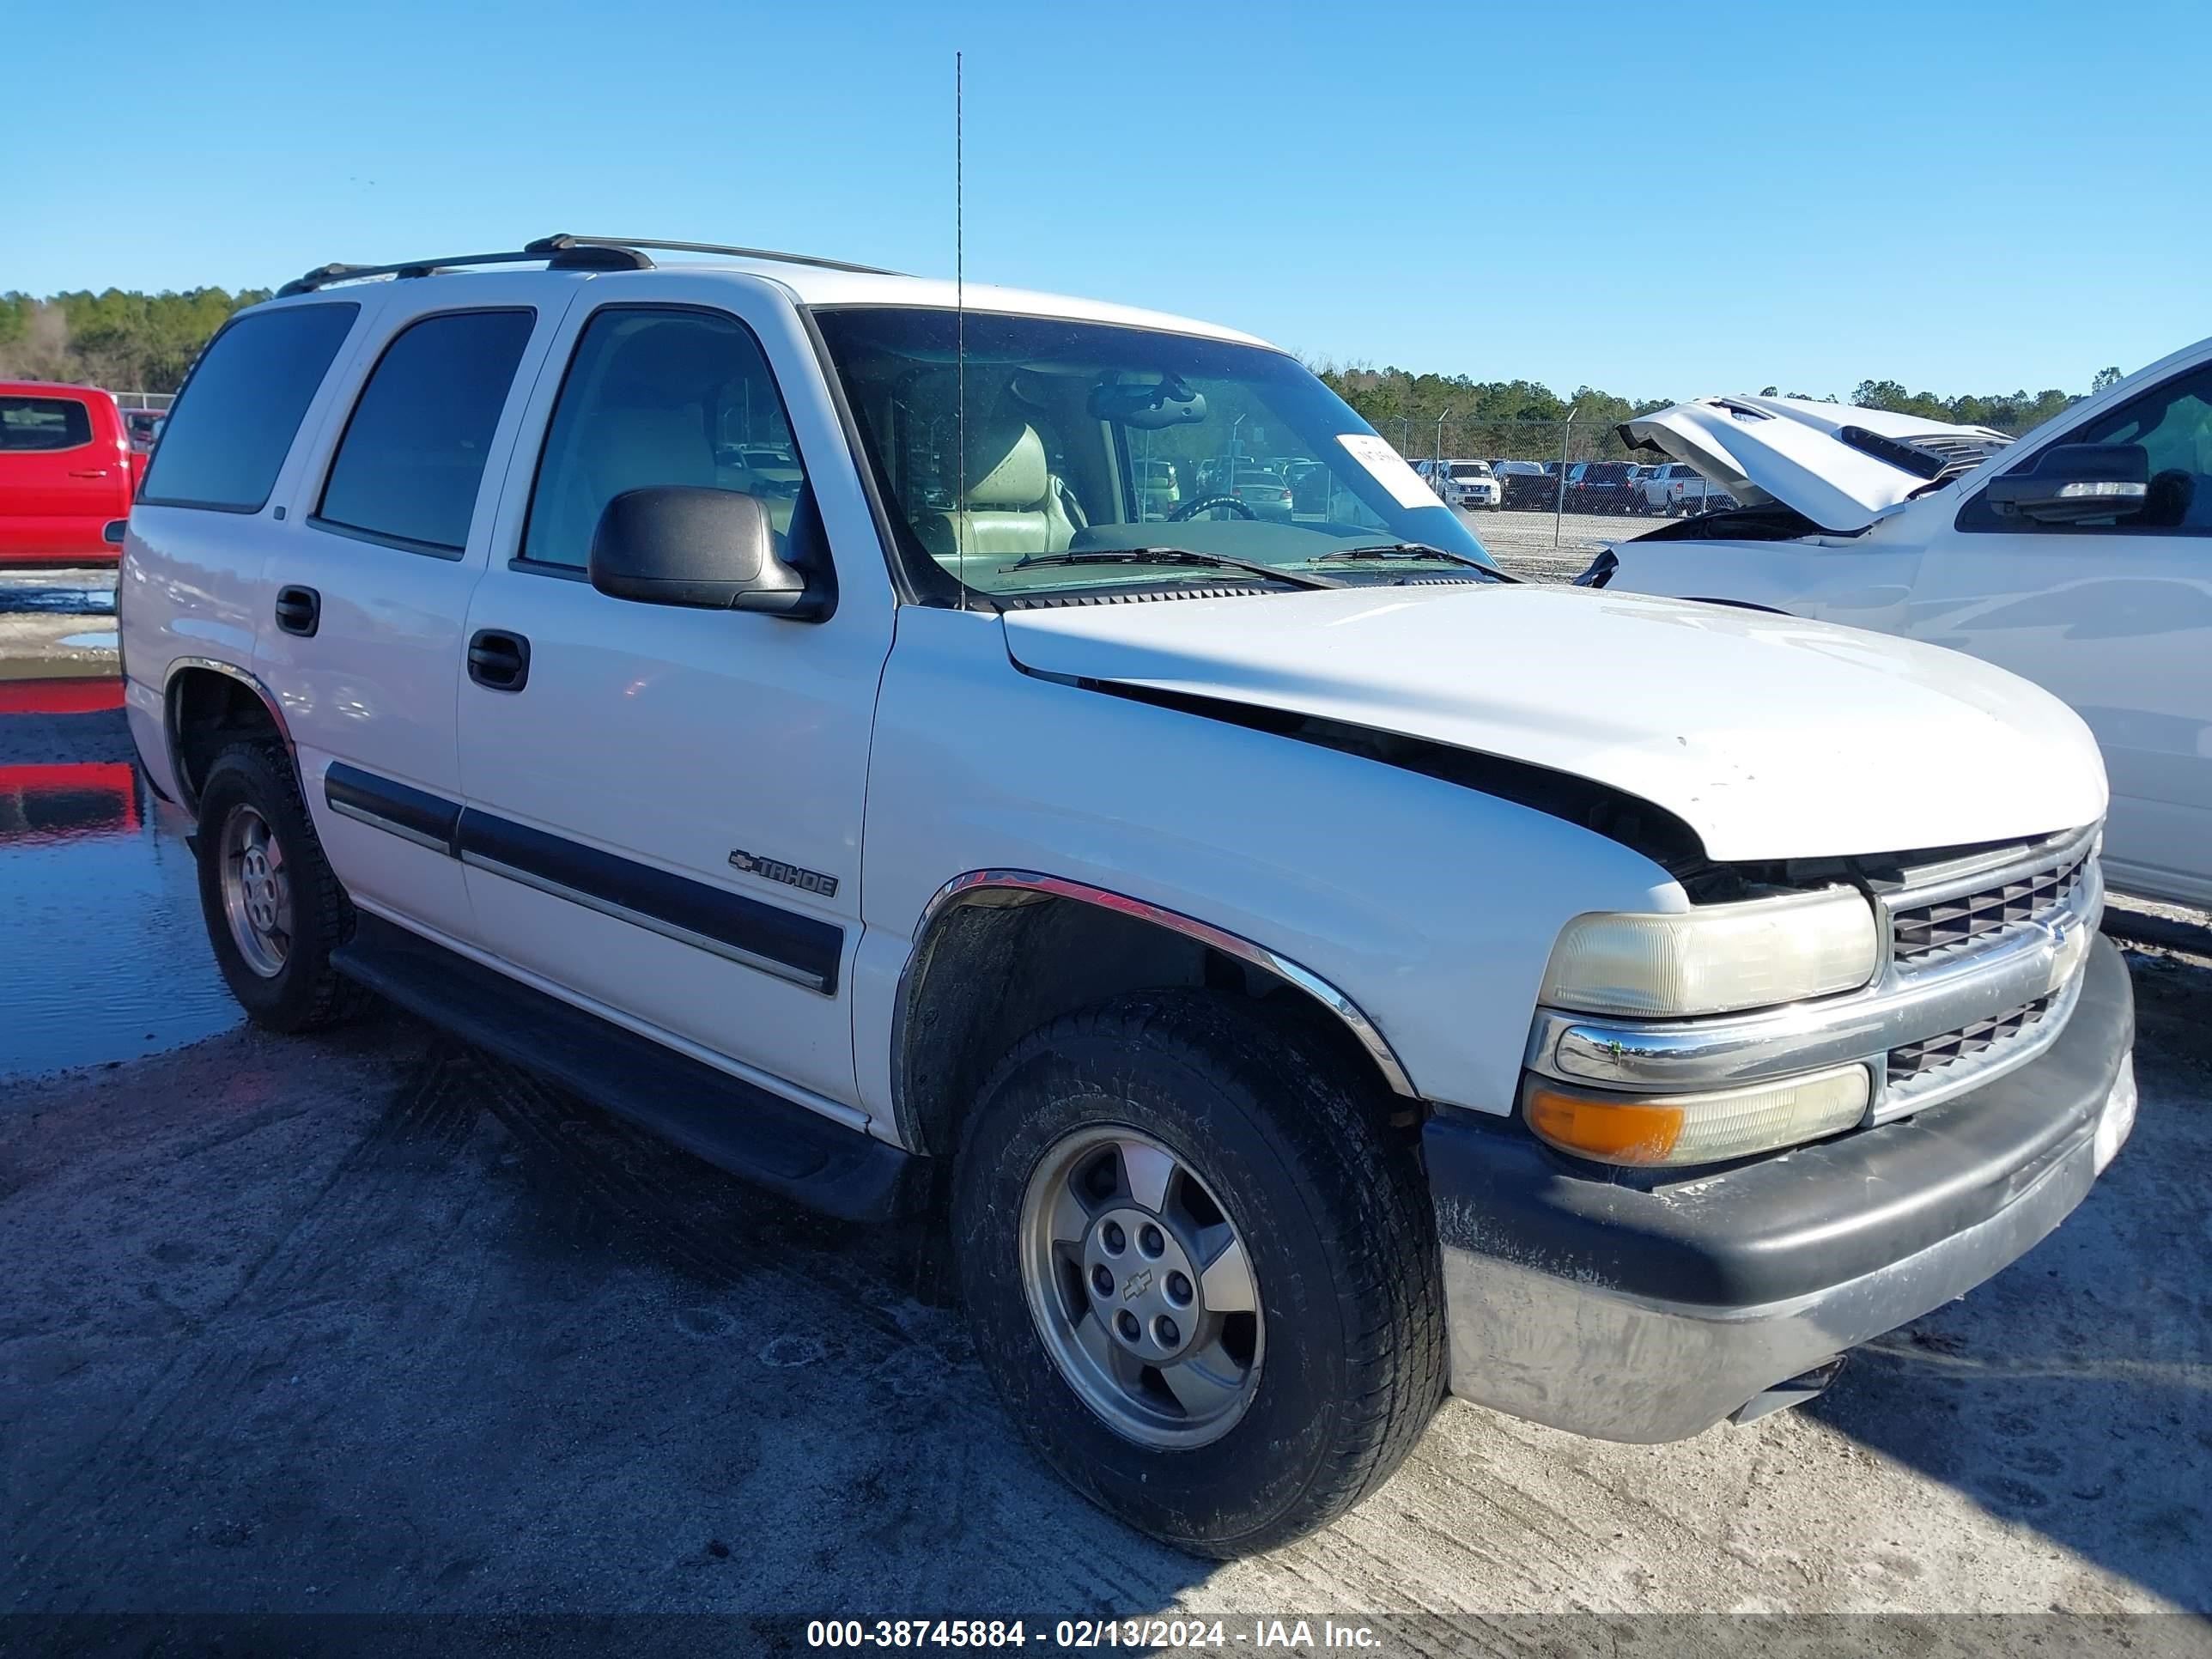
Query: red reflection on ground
(75, 696)
(88, 798)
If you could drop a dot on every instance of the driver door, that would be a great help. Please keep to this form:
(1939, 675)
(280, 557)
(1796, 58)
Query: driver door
(665, 803)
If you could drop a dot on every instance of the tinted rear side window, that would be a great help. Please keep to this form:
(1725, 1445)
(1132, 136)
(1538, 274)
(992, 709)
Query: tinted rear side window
(226, 438)
(414, 451)
(34, 423)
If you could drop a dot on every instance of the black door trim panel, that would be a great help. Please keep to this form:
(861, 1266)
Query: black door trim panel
(801, 949)
(413, 814)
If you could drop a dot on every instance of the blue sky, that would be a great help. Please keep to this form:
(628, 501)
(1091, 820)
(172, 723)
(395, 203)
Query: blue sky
(1661, 200)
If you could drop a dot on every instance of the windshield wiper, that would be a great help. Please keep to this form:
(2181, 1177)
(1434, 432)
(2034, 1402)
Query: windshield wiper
(1175, 555)
(1411, 550)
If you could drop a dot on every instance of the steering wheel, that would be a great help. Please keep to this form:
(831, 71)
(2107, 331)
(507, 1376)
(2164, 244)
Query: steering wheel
(1190, 510)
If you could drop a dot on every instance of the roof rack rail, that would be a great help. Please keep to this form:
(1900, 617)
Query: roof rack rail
(769, 255)
(565, 252)
(556, 252)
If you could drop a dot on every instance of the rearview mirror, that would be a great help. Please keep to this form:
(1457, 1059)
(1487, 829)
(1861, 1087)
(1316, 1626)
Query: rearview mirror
(1149, 407)
(715, 550)
(2074, 483)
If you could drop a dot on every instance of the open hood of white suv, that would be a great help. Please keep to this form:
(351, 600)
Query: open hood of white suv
(1837, 464)
(1772, 737)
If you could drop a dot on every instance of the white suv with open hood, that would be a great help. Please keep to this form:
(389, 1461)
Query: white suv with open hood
(2080, 557)
(1313, 969)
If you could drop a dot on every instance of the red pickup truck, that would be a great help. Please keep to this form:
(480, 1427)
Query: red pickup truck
(66, 473)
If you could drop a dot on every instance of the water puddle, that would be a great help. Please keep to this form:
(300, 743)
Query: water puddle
(99, 918)
(65, 599)
(103, 641)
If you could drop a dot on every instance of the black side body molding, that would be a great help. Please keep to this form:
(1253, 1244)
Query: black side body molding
(806, 944)
(415, 813)
(734, 1126)
(804, 949)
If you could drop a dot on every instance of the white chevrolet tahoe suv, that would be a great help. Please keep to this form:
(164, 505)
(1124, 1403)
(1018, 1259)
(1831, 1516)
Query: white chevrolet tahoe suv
(1308, 970)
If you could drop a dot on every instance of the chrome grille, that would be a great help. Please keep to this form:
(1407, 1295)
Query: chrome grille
(1915, 1060)
(1922, 932)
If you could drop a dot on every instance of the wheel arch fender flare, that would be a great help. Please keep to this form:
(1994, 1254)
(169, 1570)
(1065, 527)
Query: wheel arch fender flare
(1009, 886)
(184, 672)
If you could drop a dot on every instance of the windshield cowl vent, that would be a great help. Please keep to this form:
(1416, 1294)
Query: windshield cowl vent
(1146, 596)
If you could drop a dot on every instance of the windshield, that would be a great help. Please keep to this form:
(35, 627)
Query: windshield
(1470, 469)
(1094, 438)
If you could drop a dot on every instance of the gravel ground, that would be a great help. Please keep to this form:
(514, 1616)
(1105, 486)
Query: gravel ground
(371, 1321)
(1523, 542)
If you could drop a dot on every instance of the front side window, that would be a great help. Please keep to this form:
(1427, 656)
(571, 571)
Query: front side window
(408, 469)
(2173, 425)
(656, 395)
(36, 424)
(1094, 438)
(227, 433)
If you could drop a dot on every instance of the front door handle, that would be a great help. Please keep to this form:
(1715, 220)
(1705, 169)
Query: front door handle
(499, 660)
(299, 611)
(88, 472)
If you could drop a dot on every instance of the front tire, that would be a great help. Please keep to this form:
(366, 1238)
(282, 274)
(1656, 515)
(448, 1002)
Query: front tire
(1202, 1267)
(274, 910)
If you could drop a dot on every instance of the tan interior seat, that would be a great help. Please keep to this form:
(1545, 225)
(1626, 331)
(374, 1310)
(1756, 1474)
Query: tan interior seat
(1013, 505)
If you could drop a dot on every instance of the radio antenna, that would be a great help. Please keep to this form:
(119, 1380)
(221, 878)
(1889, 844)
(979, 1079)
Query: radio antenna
(960, 522)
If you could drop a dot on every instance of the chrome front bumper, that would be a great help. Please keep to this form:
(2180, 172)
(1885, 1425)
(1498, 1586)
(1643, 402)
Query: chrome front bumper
(1648, 1314)
(1907, 1003)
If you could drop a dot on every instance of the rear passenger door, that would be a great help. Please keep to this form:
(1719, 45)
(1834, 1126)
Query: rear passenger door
(363, 642)
(664, 804)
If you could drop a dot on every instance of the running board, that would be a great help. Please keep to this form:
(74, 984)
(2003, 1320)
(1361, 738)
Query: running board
(730, 1123)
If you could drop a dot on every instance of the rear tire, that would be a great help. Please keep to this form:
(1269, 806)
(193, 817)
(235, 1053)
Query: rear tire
(274, 910)
(1282, 1159)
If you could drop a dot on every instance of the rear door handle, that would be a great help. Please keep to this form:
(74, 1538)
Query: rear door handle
(88, 472)
(299, 611)
(499, 660)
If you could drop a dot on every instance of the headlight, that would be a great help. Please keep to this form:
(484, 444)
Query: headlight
(1716, 959)
(1664, 1130)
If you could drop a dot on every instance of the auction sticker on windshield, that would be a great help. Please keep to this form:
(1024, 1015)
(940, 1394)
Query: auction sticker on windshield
(1389, 468)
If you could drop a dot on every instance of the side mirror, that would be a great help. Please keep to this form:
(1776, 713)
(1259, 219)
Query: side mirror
(712, 548)
(2073, 484)
(114, 531)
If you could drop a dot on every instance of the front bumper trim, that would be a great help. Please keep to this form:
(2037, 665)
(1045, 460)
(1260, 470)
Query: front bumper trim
(1647, 1316)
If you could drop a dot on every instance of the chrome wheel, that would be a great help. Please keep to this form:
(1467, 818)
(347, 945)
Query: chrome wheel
(257, 892)
(1140, 1287)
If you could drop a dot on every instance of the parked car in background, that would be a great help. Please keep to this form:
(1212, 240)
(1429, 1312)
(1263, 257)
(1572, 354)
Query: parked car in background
(2081, 558)
(143, 428)
(1599, 487)
(1469, 485)
(1676, 488)
(1262, 490)
(1525, 484)
(1158, 491)
(66, 473)
(1312, 486)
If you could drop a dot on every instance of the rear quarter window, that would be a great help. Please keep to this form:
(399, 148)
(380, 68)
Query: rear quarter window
(32, 424)
(233, 424)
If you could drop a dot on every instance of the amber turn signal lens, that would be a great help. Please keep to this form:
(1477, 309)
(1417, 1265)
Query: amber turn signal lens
(1679, 1130)
(1615, 1132)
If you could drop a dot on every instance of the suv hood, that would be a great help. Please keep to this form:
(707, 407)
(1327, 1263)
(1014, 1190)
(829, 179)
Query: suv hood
(1770, 736)
(1836, 465)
